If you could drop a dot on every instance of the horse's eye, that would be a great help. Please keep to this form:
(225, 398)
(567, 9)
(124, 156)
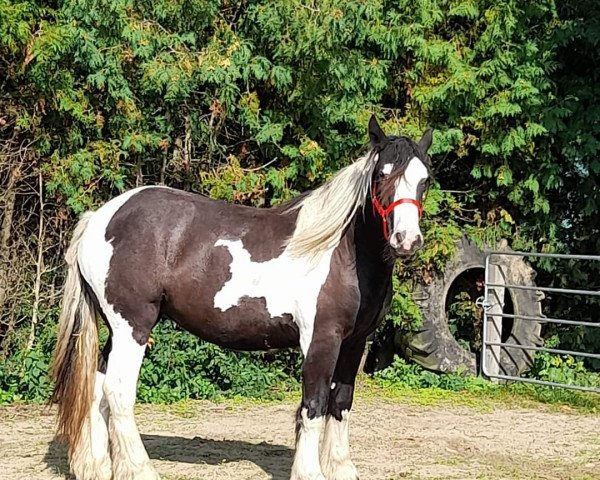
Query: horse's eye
(387, 169)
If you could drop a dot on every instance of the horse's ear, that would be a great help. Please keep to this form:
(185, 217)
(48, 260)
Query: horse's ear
(376, 134)
(426, 140)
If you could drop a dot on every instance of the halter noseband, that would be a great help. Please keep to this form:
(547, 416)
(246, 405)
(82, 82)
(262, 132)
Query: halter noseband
(384, 212)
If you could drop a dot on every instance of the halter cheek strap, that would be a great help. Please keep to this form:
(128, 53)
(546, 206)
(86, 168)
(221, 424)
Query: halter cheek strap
(385, 212)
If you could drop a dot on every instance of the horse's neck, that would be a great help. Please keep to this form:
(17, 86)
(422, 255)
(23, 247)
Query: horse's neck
(371, 257)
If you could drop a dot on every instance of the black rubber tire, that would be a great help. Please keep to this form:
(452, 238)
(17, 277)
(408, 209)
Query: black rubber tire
(435, 348)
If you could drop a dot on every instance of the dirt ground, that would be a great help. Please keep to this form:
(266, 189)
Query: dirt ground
(390, 440)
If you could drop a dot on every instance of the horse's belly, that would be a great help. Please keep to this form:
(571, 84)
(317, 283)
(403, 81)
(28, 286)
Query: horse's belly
(247, 326)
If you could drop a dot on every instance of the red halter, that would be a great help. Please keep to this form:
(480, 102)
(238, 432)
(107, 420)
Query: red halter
(384, 212)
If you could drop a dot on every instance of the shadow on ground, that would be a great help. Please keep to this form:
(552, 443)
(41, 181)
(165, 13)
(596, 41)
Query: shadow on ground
(274, 460)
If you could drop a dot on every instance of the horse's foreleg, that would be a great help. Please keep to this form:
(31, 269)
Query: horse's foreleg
(317, 372)
(335, 452)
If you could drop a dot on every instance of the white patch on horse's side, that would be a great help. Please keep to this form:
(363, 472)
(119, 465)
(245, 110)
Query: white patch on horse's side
(129, 456)
(387, 168)
(306, 460)
(289, 285)
(335, 451)
(406, 215)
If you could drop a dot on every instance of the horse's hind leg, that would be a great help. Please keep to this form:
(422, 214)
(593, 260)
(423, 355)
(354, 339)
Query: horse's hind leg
(90, 459)
(129, 458)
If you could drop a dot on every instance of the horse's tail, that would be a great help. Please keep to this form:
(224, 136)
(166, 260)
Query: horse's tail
(76, 354)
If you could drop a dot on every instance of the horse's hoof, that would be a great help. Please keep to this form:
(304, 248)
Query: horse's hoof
(97, 469)
(146, 472)
(307, 476)
(343, 471)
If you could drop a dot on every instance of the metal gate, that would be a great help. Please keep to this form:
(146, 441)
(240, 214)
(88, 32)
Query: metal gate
(492, 304)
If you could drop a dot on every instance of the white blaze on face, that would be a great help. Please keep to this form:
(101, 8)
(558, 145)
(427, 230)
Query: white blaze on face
(406, 215)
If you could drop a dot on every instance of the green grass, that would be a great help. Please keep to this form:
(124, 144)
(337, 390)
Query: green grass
(479, 395)
(483, 395)
(413, 384)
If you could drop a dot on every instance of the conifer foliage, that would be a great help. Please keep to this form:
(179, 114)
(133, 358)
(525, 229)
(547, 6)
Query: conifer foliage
(255, 101)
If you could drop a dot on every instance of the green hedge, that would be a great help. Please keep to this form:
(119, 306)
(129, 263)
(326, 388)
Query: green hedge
(256, 101)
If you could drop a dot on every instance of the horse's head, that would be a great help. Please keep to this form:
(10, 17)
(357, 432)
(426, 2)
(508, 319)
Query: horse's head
(402, 174)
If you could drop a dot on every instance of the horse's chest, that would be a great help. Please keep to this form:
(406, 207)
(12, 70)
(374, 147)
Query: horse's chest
(288, 285)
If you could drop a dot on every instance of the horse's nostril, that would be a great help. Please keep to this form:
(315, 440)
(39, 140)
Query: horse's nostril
(397, 239)
(418, 242)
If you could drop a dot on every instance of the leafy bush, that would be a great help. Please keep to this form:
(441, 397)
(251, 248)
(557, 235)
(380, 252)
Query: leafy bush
(254, 102)
(24, 375)
(562, 368)
(180, 366)
(410, 375)
(177, 367)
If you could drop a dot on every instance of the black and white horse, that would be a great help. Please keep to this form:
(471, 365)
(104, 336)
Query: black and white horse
(315, 272)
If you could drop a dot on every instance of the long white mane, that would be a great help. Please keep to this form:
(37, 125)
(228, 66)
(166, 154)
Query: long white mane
(326, 212)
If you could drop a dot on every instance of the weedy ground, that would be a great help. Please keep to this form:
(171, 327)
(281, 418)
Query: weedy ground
(396, 433)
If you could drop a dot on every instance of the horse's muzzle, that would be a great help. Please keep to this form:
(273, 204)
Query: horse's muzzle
(405, 245)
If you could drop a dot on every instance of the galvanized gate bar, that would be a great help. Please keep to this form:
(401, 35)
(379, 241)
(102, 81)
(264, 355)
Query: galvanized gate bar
(547, 319)
(487, 315)
(510, 378)
(563, 256)
(547, 289)
(544, 349)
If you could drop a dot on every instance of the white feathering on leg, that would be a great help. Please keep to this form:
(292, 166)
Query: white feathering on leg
(335, 457)
(91, 458)
(306, 461)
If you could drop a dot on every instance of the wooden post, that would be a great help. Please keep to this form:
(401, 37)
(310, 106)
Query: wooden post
(494, 326)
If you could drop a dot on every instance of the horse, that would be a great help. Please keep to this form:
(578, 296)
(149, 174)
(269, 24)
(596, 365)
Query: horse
(314, 272)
